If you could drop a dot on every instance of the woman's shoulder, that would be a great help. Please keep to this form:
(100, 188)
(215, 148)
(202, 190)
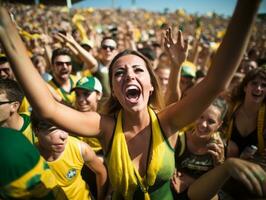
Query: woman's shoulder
(107, 126)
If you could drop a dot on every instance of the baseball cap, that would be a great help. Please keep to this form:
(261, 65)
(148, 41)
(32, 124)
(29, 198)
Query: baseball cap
(87, 42)
(188, 69)
(89, 83)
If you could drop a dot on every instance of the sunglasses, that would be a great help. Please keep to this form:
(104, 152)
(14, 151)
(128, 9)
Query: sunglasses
(59, 63)
(105, 47)
(5, 102)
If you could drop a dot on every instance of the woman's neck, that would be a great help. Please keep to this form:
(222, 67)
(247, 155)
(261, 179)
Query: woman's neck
(135, 121)
(250, 108)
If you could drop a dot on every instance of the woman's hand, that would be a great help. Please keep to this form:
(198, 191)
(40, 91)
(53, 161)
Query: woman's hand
(216, 149)
(176, 51)
(250, 174)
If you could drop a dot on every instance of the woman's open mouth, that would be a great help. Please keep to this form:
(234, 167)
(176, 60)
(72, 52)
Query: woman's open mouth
(132, 94)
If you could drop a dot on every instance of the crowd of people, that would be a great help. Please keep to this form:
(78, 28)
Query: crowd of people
(131, 104)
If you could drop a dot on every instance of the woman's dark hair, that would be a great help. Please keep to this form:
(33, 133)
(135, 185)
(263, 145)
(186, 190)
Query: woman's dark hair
(155, 101)
(238, 93)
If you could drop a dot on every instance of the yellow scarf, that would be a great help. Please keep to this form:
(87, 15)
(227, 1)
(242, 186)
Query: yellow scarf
(77, 20)
(122, 173)
(260, 125)
(29, 36)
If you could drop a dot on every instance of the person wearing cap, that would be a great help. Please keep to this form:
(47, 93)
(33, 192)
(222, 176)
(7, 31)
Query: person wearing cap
(88, 92)
(188, 73)
(24, 174)
(87, 44)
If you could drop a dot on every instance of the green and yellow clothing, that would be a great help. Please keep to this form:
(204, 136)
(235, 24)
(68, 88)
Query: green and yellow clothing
(26, 128)
(25, 106)
(68, 97)
(67, 170)
(24, 174)
(125, 179)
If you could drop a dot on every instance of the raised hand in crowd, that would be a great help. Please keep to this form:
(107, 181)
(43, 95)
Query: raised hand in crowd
(177, 52)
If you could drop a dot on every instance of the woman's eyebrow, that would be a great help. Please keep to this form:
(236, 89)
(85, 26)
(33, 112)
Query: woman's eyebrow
(118, 68)
(134, 66)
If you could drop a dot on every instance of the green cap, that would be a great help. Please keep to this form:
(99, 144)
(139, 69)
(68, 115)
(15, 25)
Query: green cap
(89, 83)
(188, 69)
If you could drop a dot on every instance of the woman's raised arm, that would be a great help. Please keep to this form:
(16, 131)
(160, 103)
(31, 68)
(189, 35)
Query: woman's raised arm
(222, 69)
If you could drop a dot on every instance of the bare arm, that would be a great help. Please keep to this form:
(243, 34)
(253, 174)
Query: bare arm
(251, 175)
(37, 92)
(96, 165)
(222, 69)
(177, 52)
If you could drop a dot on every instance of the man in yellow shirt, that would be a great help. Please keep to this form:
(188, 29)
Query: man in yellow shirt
(62, 81)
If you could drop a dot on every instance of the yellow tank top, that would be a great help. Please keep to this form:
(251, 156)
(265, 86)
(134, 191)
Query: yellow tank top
(125, 178)
(67, 170)
(68, 97)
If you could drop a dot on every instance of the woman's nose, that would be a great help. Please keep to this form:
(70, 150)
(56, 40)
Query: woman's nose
(130, 75)
(204, 123)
